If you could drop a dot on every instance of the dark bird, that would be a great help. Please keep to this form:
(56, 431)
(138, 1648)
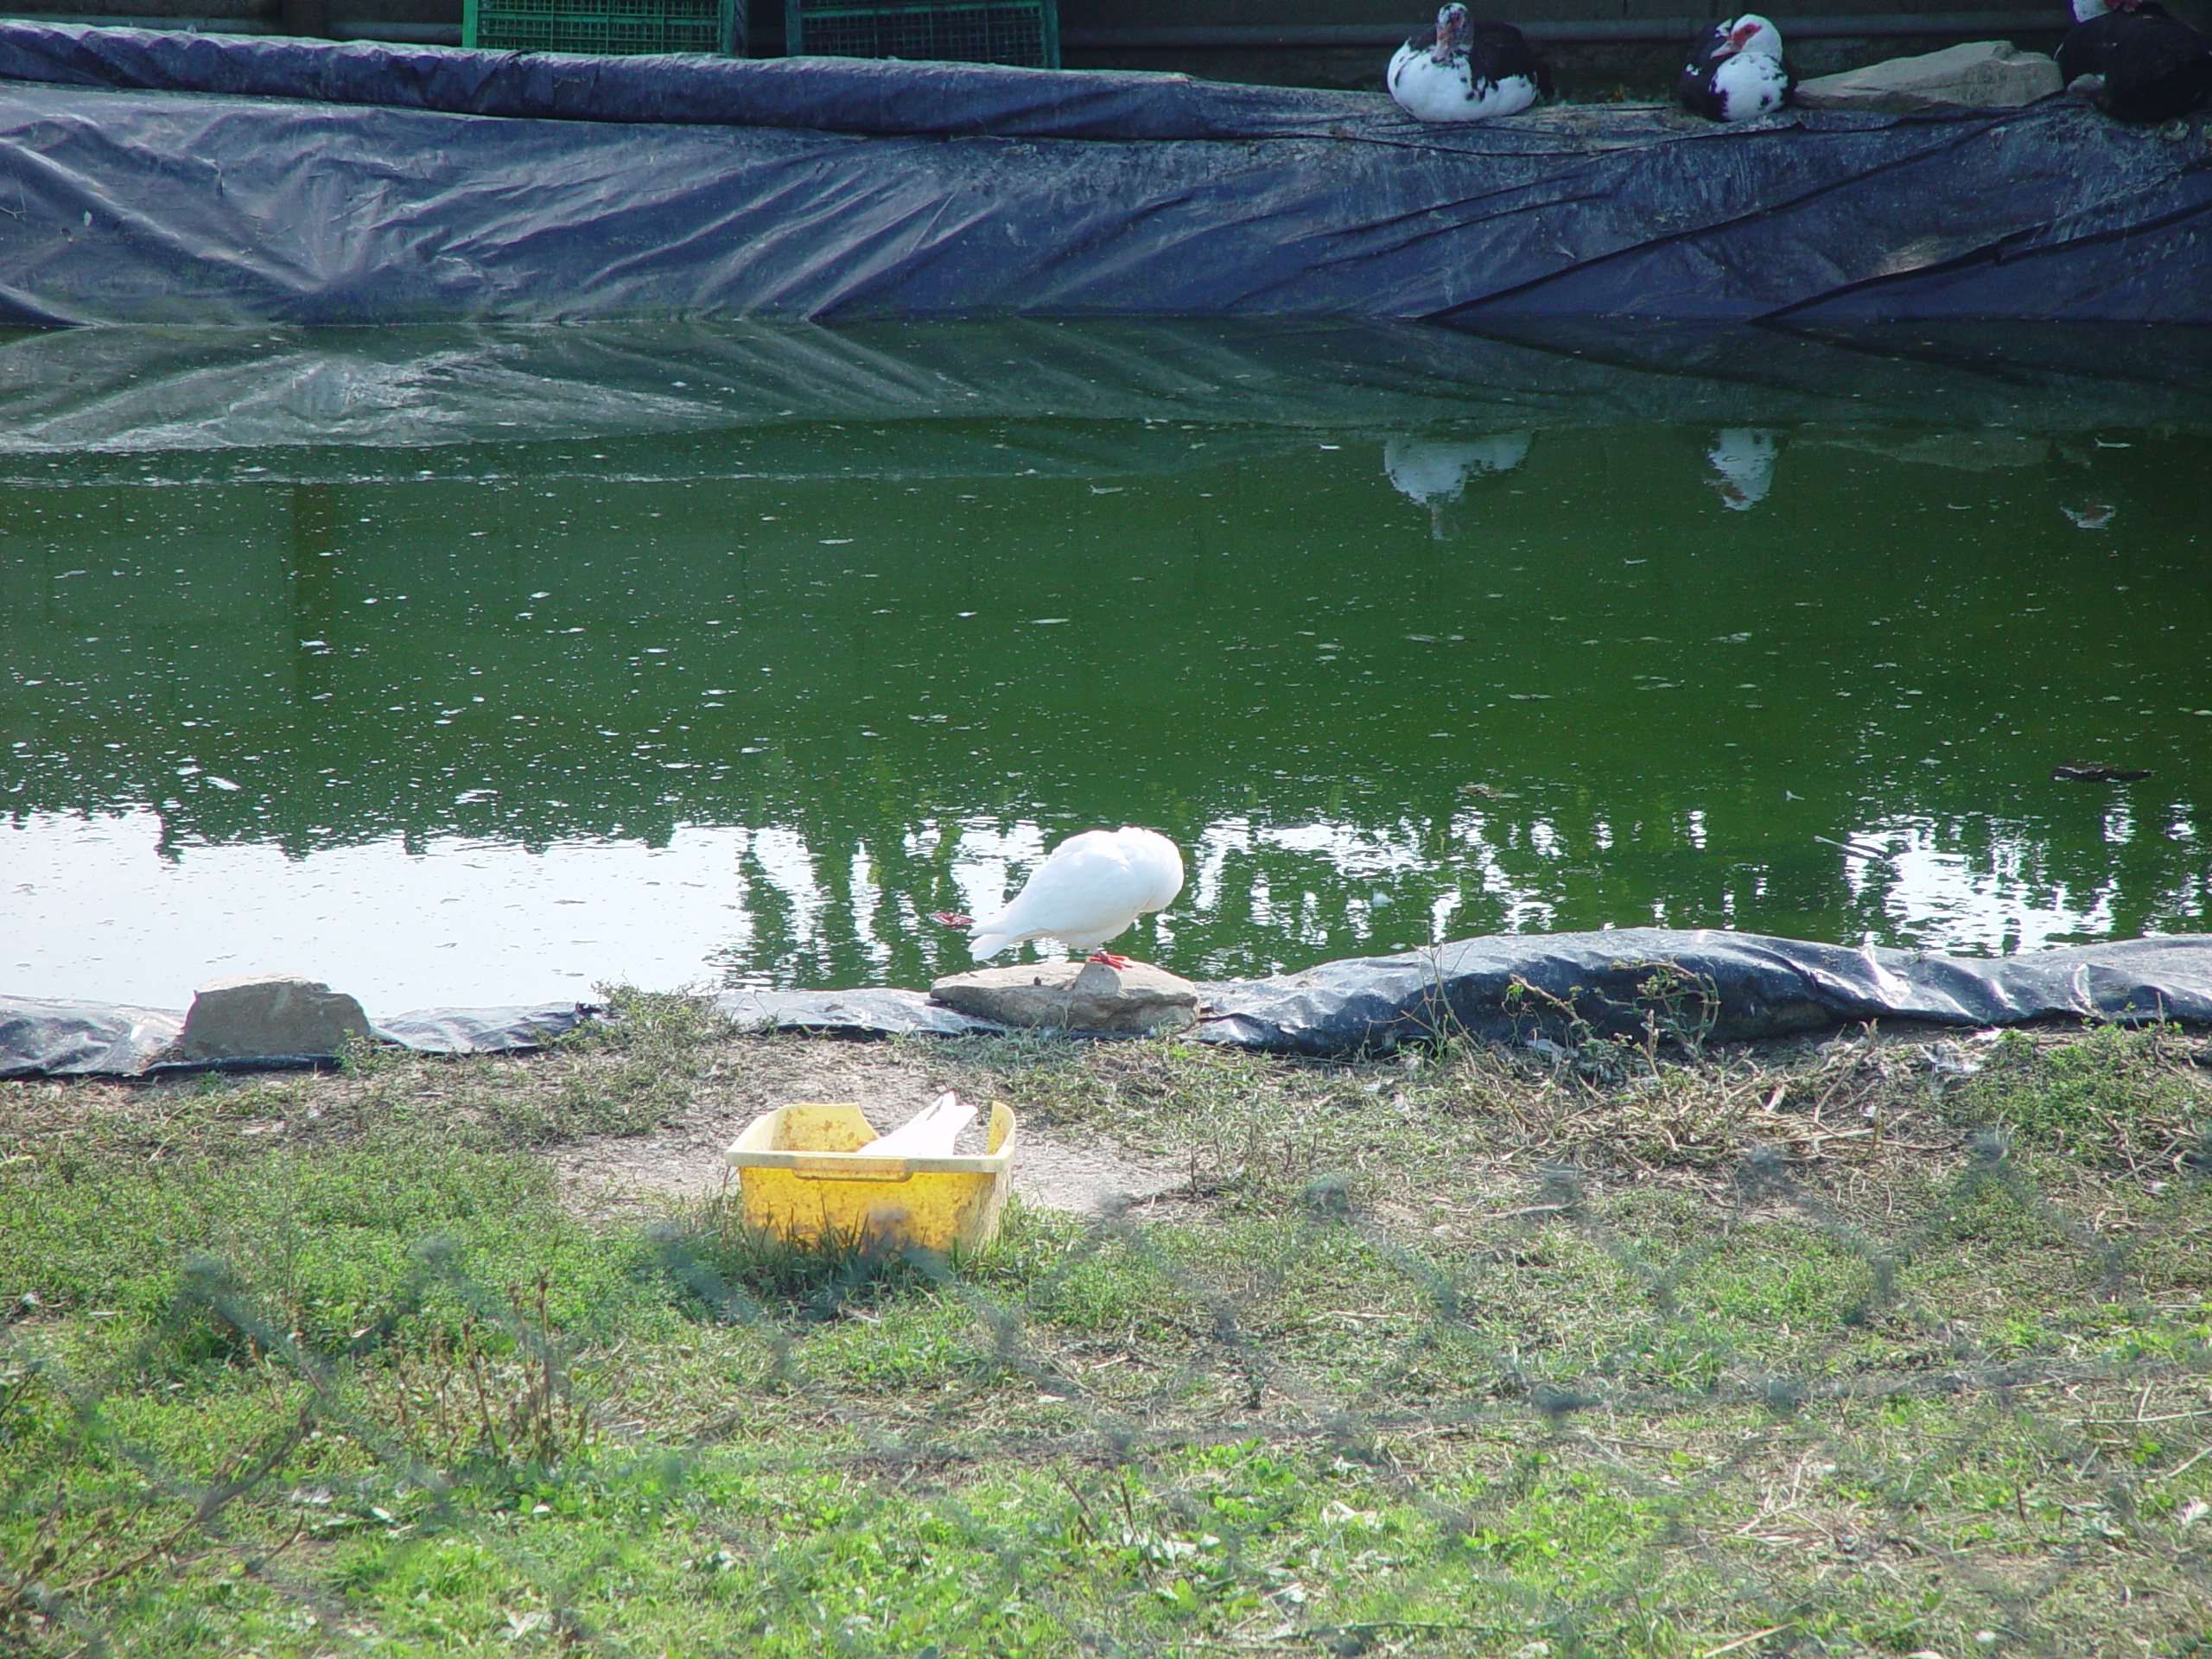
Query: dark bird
(2134, 60)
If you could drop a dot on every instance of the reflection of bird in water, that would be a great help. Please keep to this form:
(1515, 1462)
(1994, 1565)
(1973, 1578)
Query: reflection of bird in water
(2091, 515)
(1091, 888)
(1743, 458)
(1431, 472)
(929, 1134)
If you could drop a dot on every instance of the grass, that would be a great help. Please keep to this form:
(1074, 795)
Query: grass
(1867, 1346)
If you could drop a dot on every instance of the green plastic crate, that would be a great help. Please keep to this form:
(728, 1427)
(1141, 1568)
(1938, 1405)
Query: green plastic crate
(619, 27)
(964, 31)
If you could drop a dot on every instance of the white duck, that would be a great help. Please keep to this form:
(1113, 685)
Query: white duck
(1091, 888)
(1467, 71)
(929, 1134)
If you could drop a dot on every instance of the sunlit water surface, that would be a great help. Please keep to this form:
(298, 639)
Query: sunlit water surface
(467, 667)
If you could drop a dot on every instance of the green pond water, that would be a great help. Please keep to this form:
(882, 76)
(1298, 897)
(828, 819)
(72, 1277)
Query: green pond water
(469, 667)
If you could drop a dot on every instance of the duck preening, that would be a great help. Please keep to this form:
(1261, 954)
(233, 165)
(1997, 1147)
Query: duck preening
(1737, 71)
(1091, 888)
(2134, 60)
(1470, 69)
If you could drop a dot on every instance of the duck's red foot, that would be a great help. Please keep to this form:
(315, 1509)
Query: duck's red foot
(952, 919)
(1110, 959)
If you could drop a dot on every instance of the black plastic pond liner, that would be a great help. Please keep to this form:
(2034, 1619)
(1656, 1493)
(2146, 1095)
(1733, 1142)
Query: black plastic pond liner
(149, 176)
(40, 1038)
(872, 1013)
(1730, 986)
(876, 97)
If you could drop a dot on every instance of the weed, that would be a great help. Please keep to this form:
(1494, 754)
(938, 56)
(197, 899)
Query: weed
(2117, 1095)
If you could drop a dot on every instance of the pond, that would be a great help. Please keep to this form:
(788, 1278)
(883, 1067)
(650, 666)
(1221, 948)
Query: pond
(474, 666)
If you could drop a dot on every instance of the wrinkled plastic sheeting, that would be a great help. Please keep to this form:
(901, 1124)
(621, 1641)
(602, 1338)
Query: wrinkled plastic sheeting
(1731, 986)
(878, 97)
(1744, 985)
(1102, 397)
(894, 190)
(482, 1031)
(872, 1013)
(44, 1038)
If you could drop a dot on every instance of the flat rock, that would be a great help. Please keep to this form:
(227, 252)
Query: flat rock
(255, 1015)
(1979, 75)
(1073, 996)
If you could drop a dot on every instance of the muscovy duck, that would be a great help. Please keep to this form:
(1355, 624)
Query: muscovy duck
(1470, 70)
(2134, 60)
(1737, 71)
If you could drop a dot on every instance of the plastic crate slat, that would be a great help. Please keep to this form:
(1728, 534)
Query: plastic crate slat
(618, 27)
(989, 31)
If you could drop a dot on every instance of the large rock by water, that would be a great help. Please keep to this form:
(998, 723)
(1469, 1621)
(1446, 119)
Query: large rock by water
(1979, 75)
(267, 1015)
(1074, 996)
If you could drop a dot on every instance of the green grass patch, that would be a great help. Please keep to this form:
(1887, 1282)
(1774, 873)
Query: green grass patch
(2119, 1095)
(1458, 1355)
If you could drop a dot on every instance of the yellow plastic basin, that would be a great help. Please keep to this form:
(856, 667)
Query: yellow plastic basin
(801, 1179)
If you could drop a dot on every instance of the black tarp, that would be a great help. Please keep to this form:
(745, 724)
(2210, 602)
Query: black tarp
(1730, 986)
(1736, 985)
(40, 1036)
(152, 177)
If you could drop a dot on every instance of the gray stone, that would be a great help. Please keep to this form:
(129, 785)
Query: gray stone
(1074, 996)
(259, 1014)
(1980, 75)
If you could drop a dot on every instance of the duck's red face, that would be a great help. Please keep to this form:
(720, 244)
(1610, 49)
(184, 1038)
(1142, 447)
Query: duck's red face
(1749, 33)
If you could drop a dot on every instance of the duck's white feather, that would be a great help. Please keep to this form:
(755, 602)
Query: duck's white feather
(1429, 91)
(1751, 84)
(1091, 888)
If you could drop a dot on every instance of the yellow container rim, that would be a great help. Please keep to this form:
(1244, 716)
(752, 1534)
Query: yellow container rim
(754, 1149)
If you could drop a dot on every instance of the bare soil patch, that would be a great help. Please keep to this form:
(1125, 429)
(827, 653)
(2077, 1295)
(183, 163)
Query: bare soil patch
(683, 1158)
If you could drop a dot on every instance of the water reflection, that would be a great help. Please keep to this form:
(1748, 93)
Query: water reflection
(463, 711)
(1435, 474)
(1742, 459)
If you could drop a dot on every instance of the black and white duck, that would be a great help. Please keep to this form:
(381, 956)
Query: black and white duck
(1737, 71)
(1470, 69)
(2134, 60)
